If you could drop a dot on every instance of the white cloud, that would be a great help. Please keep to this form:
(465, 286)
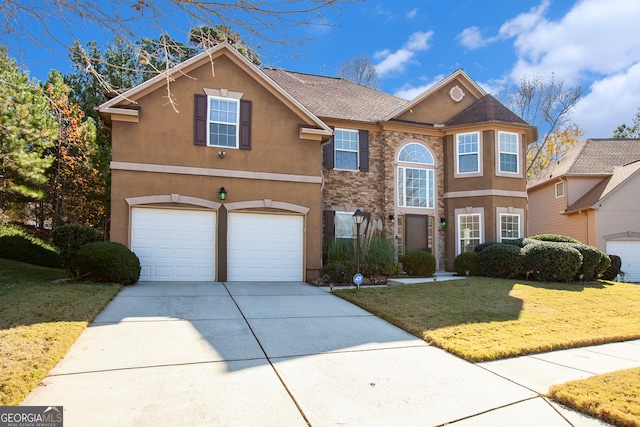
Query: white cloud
(471, 38)
(524, 21)
(612, 101)
(395, 61)
(412, 13)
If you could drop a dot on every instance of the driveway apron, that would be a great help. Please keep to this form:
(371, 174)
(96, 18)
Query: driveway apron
(269, 354)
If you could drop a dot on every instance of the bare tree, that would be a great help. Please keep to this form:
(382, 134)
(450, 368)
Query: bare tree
(60, 22)
(544, 103)
(359, 69)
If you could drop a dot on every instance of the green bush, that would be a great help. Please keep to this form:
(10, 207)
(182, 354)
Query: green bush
(107, 262)
(339, 250)
(483, 246)
(18, 245)
(593, 262)
(467, 261)
(554, 238)
(501, 260)
(551, 262)
(419, 263)
(69, 238)
(378, 258)
(339, 271)
(614, 268)
(521, 243)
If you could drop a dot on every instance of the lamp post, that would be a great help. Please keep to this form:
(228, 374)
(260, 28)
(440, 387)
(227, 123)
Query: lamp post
(358, 218)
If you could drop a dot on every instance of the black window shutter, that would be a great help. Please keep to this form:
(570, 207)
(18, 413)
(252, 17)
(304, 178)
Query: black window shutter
(245, 124)
(200, 120)
(363, 141)
(329, 226)
(329, 156)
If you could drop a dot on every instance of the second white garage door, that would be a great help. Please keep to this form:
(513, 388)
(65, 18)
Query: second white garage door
(264, 247)
(629, 253)
(174, 244)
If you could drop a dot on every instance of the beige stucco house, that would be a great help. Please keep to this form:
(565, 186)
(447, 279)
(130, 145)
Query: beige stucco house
(296, 155)
(591, 194)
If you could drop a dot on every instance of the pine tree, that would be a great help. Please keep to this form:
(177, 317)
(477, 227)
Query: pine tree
(27, 130)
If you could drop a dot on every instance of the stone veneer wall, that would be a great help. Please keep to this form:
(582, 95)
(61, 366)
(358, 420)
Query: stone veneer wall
(375, 191)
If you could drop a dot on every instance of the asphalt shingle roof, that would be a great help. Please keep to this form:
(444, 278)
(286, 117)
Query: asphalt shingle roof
(592, 157)
(487, 109)
(332, 97)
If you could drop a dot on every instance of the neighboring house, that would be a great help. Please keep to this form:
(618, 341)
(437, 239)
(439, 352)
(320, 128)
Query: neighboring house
(591, 194)
(297, 154)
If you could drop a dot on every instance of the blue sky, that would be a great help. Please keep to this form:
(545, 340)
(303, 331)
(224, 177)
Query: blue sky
(415, 43)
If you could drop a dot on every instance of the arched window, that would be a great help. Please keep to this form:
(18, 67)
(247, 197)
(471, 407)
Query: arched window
(416, 184)
(415, 153)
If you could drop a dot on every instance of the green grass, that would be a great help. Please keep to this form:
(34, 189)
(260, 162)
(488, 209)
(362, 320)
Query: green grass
(613, 397)
(39, 320)
(483, 319)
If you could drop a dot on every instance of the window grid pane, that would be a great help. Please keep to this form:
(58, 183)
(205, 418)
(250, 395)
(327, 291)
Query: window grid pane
(415, 153)
(510, 226)
(508, 146)
(223, 122)
(344, 225)
(468, 232)
(346, 149)
(468, 152)
(416, 188)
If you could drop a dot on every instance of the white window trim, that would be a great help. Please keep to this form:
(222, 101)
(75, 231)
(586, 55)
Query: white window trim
(357, 151)
(499, 171)
(468, 211)
(209, 121)
(500, 212)
(559, 185)
(416, 163)
(459, 174)
(402, 195)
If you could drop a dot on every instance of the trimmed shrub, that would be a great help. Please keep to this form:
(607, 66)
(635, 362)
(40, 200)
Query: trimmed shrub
(107, 262)
(483, 246)
(339, 271)
(18, 245)
(554, 238)
(419, 263)
(69, 238)
(521, 243)
(592, 262)
(614, 268)
(378, 258)
(467, 261)
(501, 260)
(551, 262)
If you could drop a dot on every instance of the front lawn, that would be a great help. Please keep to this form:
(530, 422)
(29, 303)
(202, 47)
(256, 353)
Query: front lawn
(613, 397)
(39, 320)
(483, 319)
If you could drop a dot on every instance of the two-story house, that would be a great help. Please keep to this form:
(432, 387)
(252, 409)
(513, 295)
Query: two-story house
(256, 167)
(591, 194)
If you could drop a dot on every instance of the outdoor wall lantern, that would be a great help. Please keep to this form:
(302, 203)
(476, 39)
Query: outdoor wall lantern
(358, 218)
(392, 219)
(443, 222)
(223, 193)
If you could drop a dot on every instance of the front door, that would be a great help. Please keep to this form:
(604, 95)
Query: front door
(418, 233)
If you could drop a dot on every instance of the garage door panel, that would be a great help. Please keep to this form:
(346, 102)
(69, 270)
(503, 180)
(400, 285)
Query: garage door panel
(174, 244)
(629, 253)
(264, 247)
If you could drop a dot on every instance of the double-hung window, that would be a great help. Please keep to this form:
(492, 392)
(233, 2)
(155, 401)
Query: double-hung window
(416, 185)
(508, 152)
(346, 149)
(224, 114)
(468, 152)
(559, 189)
(344, 225)
(509, 226)
(469, 232)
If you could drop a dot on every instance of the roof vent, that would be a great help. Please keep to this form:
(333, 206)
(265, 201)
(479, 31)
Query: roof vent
(456, 93)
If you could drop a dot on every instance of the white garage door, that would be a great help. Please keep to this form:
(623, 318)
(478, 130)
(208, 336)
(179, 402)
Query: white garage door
(263, 247)
(174, 244)
(629, 253)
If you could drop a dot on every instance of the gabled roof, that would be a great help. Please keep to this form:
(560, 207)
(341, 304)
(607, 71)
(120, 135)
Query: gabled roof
(593, 157)
(433, 89)
(122, 103)
(487, 109)
(332, 97)
(607, 186)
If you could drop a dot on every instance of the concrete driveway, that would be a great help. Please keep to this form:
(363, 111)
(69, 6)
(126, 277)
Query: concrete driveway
(272, 354)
